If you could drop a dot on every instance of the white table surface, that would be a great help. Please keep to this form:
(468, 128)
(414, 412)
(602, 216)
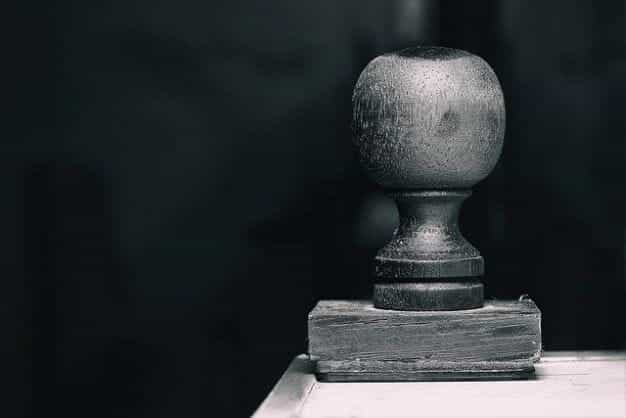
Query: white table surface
(568, 384)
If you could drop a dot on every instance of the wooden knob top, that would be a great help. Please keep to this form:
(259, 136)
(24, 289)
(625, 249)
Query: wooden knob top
(428, 118)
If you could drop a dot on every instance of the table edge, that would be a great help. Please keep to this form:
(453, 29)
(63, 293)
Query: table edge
(289, 394)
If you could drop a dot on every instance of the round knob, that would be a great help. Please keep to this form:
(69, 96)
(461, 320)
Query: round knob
(428, 124)
(428, 118)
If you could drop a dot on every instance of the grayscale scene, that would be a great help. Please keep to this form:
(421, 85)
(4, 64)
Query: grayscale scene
(403, 208)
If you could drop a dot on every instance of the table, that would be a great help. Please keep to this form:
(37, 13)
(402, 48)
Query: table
(567, 384)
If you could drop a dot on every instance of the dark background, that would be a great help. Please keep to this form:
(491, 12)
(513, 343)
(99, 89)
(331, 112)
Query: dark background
(179, 188)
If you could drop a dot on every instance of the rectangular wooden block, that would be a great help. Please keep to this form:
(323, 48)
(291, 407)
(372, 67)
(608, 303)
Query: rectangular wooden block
(353, 341)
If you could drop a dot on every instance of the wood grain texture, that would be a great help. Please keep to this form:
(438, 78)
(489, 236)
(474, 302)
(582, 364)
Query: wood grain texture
(428, 118)
(428, 123)
(353, 341)
(428, 244)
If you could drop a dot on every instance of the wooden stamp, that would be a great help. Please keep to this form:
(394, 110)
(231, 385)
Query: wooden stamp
(428, 124)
